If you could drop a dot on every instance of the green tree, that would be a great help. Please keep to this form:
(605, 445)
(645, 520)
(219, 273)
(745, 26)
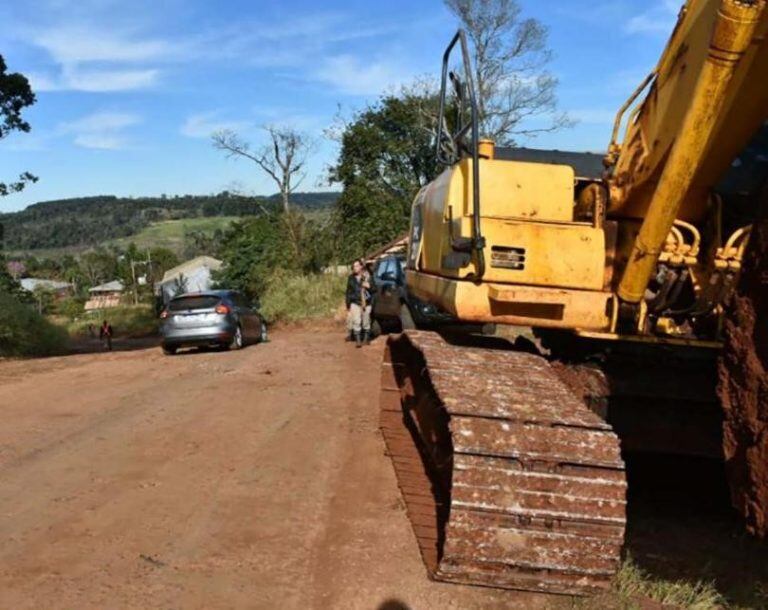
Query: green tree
(252, 250)
(386, 155)
(44, 299)
(162, 259)
(180, 285)
(15, 95)
(99, 266)
(9, 284)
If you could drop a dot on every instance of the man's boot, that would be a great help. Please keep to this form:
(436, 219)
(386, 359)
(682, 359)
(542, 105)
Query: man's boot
(358, 340)
(367, 337)
(350, 336)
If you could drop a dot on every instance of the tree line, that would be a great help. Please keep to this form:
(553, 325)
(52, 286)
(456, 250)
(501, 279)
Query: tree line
(90, 221)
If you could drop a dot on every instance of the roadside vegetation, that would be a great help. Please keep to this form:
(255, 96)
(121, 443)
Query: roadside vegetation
(291, 297)
(636, 589)
(132, 321)
(24, 332)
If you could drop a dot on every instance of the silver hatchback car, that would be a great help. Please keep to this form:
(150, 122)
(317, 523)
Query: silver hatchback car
(218, 318)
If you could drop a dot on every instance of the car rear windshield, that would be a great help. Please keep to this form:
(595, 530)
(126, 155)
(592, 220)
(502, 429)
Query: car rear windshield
(197, 302)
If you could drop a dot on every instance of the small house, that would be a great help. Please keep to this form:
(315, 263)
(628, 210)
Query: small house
(105, 296)
(59, 290)
(194, 275)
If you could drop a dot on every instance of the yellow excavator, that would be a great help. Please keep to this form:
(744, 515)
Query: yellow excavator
(509, 460)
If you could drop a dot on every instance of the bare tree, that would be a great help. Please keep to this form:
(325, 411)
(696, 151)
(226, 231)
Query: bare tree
(283, 159)
(511, 55)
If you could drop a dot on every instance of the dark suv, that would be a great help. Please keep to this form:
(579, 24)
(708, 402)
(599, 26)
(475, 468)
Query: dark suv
(394, 307)
(222, 318)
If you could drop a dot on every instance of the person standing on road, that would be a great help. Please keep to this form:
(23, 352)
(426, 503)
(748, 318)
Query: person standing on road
(350, 329)
(105, 334)
(359, 302)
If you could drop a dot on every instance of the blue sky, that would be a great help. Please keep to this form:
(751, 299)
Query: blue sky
(129, 91)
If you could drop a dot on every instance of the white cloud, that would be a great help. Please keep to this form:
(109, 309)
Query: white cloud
(100, 141)
(71, 45)
(94, 81)
(99, 59)
(659, 19)
(353, 76)
(99, 81)
(101, 130)
(204, 124)
(101, 121)
(42, 82)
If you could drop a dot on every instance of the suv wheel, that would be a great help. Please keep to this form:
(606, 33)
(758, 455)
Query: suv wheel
(237, 339)
(169, 350)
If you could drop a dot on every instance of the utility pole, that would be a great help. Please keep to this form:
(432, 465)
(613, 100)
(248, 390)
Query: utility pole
(148, 268)
(135, 287)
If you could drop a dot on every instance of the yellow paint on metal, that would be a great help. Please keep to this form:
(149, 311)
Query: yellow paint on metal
(650, 339)
(733, 31)
(513, 304)
(512, 189)
(526, 207)
(559, 260)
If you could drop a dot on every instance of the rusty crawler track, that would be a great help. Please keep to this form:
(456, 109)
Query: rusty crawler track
(509, 480)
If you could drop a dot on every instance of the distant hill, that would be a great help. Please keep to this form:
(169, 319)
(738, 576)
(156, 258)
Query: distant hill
(89, 221)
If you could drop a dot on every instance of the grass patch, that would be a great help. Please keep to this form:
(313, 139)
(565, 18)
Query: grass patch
(170, 233)
(633, 588)
(291, 297)
(126, 321)
(24, 332)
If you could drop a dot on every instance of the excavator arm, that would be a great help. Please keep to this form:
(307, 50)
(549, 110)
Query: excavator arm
(704, 102)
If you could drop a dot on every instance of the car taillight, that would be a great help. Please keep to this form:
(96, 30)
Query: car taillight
(164, 314)
(222, 309)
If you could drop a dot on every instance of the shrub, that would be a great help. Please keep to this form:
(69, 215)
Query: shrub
(290, 297)
(24, 332)
(69, 307)
(126, 321)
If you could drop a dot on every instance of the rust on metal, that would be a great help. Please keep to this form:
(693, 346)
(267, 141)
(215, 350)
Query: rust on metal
(509, 479)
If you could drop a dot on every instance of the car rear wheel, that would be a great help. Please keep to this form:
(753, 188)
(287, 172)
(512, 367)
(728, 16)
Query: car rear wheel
(169, 350)
(406, 319)
(263, 332)
(237, 339)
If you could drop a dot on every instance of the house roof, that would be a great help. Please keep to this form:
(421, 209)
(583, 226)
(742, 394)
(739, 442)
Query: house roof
(584, 164)
(397, 245)
(30, 283)
(113, 286)
(190, 266)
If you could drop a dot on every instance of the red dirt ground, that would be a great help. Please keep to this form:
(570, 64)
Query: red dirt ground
(248, 479)
(743, 386)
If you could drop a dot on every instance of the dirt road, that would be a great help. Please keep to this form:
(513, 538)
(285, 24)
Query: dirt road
(250, 479)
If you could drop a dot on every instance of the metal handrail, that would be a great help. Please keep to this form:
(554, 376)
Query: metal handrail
(457, 140)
